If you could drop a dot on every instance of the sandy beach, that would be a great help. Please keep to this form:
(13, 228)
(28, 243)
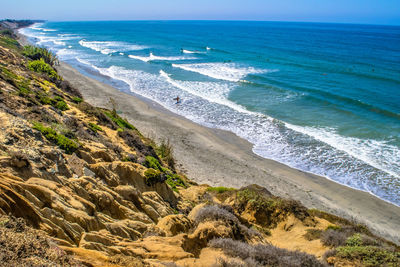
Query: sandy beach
(220, 158)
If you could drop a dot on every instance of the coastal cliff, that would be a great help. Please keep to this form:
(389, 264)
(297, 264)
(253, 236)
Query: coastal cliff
(80, 185)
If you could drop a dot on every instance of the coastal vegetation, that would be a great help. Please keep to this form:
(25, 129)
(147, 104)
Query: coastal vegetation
(220, 189)
(37, 53)
(80, 185)
(41, 66)
(68, 145)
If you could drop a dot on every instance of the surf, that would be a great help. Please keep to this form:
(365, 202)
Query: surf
(153, 57)
(221, 71)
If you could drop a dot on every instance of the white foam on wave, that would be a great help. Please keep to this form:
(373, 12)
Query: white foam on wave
(192, 52)
(221, 71)
(66, 36)
(66, 54)
(211, 91)
(86, 62)
(153, 57)
(37, 26)
(378, 154)
(42, 38)
(108, 47)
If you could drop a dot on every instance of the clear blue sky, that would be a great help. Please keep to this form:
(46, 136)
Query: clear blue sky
(344, 11)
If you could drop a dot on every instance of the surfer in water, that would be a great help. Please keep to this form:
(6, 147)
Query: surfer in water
(178, 100)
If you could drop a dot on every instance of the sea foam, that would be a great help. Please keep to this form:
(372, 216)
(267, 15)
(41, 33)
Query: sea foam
(221, 71)
(152, 57)
(108, 47)
(192, 52)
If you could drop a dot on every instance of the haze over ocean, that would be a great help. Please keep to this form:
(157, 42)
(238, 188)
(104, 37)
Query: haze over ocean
(323, 98)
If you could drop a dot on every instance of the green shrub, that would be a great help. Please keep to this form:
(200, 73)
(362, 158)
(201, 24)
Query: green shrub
(333, 227)
(174, 181)
(61, 105)
(119, 121)
(68, 145)
(57, 101)
(369, 255)
(77, 100)
(48, 132)
(36, 53)
(45, 100)
(94, 127)
(273, 208)
(152, 162)
(41, 66)
(354, 240)
(220, 189)
(152, 176)
(58, 98)
(258, 201)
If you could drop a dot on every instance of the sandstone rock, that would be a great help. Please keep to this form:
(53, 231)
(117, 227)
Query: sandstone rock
(175, 224)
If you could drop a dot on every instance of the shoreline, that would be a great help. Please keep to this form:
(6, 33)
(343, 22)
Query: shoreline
(220, 158)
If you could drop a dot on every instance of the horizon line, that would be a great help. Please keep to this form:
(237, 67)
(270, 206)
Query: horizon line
(214, 20)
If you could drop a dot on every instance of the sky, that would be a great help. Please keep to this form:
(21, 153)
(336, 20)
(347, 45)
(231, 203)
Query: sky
(341, 11)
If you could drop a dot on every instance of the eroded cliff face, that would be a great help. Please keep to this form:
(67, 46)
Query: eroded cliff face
(101, 194)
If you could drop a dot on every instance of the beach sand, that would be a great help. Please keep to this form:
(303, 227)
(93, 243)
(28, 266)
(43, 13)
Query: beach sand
(220, 158)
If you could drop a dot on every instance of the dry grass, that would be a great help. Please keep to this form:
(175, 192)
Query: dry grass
(22, 246)
(264, 255)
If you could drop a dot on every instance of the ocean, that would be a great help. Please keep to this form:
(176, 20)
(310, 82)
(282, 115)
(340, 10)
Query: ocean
(322, 98)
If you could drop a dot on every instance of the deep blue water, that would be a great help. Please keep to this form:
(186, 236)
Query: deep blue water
(323, 98)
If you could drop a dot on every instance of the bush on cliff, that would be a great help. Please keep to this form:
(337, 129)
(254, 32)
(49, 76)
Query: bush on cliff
(68, 145)
(153, 176)
(152, 162)
(175, 181)
(41, 66)
(94, 127)
(124, 124)
(264, 255)
(220, 189)
(369, 255)
(269, 210)
(77, 99)
(57, 101)
(37, 53)
(61, 105)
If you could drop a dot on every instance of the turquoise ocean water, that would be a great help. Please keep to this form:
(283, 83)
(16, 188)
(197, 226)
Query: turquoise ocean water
(322, 98)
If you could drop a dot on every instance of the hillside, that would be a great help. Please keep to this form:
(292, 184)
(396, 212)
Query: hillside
(80, 185)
